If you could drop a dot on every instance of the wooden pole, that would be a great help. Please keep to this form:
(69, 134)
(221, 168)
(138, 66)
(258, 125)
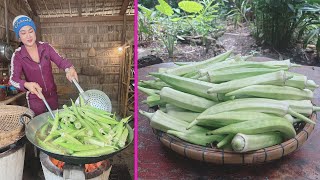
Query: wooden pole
(124, 7)
(123, 36)
(80, 7)
(33, 7)
(45, 4)
(6, 20)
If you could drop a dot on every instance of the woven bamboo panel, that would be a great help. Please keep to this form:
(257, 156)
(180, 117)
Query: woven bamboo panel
(15, 8)
(10, 127)
(220, 156)
(73, 41)
(126, 100)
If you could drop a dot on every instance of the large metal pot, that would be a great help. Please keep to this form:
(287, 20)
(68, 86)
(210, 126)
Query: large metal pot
(6, 52)
(37, 122)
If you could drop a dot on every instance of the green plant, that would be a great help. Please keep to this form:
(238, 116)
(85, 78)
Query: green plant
(145, 16)
(167, 23)
(282, 23)
(202, 20)
(310, 29)
(162, 27)
(238, 13)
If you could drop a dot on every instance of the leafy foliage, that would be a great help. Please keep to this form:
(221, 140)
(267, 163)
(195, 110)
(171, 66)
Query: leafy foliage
(238, 13)
(164, 8)
(281, 23)
(190, 6)
(167, 23)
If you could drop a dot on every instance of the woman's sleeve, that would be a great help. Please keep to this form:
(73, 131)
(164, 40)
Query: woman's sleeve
(61, 62)
(16, 72)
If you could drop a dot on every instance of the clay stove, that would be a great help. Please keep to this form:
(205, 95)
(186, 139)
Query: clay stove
(58, 170)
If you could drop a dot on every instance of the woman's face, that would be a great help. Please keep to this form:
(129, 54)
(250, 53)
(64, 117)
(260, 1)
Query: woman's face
(27, 35)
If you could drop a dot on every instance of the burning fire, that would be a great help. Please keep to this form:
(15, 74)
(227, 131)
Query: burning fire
(88, 167)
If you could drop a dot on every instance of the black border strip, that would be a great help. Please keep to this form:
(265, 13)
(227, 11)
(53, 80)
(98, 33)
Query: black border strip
(297, 142)
(203, 151)
(184, 150)
(306, 132)
(242, 158)
(222, 152)
(282, 149)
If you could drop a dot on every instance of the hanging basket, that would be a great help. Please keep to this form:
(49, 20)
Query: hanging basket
(220, 156)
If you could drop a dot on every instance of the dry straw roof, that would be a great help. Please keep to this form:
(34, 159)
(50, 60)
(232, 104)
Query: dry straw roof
(71, 8)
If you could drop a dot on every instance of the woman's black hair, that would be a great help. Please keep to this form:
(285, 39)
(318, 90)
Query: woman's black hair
(20, 44)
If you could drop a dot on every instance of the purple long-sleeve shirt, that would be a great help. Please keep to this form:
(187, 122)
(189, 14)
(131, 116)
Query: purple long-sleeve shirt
(41, 73)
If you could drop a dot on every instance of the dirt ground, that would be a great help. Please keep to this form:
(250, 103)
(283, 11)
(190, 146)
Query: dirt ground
(239, 40)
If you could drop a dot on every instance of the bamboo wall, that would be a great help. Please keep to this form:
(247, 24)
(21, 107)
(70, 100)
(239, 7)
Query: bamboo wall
(73, 41)
(15, 8)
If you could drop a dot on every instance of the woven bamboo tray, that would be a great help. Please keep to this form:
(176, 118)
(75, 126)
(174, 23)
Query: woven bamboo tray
(11, 130)
(220, 156)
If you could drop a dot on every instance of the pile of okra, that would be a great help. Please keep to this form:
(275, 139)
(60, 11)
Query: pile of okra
(229, 101)
(83, 131)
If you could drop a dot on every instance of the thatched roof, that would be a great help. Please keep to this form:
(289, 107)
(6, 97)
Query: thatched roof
(71, 8)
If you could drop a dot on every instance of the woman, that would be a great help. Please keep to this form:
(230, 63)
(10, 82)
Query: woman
(33, 60)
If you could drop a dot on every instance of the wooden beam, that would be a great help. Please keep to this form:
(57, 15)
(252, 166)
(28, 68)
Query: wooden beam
(4, 27)
(46, 7)
(124, 28)
(132, 5)
(80, 7)
(86, 19)
(54, 7)
(70, 8)
(33, 7)
(14, 11)
(6, 21)
(26, 9)
(38, 7)
(114, 6)
(86, 7)
(103, 6)
(61, 8)
(124, 7)
(95, 7)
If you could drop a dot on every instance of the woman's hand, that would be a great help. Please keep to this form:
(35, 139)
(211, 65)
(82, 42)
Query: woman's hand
(34, 88)
(72, 74)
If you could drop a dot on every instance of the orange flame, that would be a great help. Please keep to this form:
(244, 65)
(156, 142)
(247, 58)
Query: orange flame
(88, 167)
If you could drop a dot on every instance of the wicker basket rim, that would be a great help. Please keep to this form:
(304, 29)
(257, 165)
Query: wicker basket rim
(201, 150)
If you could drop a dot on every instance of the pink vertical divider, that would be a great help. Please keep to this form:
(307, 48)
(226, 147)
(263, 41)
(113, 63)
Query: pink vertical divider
(136, 89)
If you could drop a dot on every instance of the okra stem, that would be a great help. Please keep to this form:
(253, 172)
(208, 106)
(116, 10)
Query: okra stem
(147, 114)
(54, 127)
(225, 140)
(300, 116)
(316, 108)
(123, 138)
